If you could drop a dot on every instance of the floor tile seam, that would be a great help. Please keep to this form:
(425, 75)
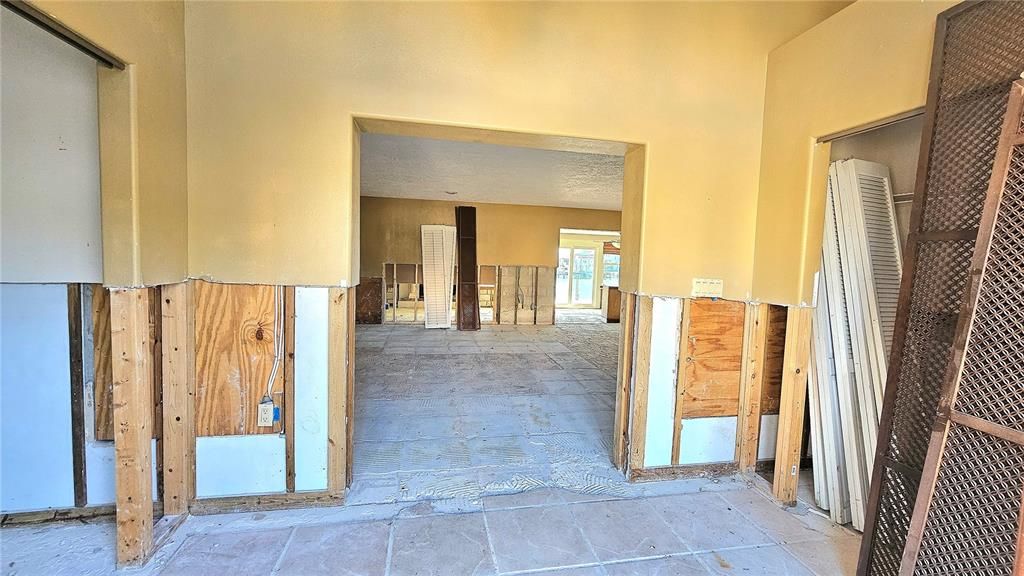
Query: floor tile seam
(391, 544)
(583, 534)
(599, 563)
(800, 560)
(490, 540)
(669, 524)
(749, 518)
(284, 550)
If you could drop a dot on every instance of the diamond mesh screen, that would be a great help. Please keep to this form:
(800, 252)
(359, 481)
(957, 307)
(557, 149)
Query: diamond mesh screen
(982, 53)
(990, 385)
(972, 522)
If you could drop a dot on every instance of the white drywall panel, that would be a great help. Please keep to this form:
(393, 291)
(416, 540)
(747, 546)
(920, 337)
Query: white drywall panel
(661, 390)
(768, 437)
(99, 471)
(35, 398)
(707, 440)
(310, 427)
(49, 169)
(239, 465)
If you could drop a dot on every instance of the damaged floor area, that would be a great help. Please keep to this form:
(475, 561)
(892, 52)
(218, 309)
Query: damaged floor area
(679, 527)
(481, 453)
(454, 416)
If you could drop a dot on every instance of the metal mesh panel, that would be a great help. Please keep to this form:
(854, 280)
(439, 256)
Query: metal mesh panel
(979, 485)
(939, 282)
(981, 55)
(891, 529)
(990, 385)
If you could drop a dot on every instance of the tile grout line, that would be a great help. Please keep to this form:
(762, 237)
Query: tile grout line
(391, 544)
(779, 544)
(490, 541)
(284, 551)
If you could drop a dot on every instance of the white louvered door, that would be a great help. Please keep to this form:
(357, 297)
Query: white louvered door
(438, 244)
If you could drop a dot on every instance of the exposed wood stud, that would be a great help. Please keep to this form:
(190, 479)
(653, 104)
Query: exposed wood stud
(157, 379)
(796, 366)
(641, 382)
(755, 349)
(289, 389)
(77, 393)
(682, 372)
(350, 384)
(133, 421)
(102, 378)
(337, 394)
(179, 440)
(620, 440)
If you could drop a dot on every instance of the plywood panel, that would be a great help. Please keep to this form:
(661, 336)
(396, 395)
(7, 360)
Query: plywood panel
(771, 391)
(235, 330)
(714, 359)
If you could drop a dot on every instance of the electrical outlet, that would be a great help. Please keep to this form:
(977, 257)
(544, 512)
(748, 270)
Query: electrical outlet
(707, 288)
(265, 416)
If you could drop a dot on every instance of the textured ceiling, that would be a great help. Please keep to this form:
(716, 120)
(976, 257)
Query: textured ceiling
(423, 168)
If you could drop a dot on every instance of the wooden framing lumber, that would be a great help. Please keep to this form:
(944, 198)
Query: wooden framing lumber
(133, 420)
(657, 474)
(682, 372)
(77, 393)
(641, 381)
(350, 384)
(264, 502)
(620, 434)
(755, 351)
(337, 392)
(179, 433)
(796, 364)
(288, 410)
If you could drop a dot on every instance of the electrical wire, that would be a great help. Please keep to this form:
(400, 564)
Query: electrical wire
(278, 338)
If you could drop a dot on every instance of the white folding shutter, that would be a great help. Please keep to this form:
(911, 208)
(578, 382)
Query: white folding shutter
(832, 432)
(846, 381)
(438, 244)
(883, 244)
(853, 297)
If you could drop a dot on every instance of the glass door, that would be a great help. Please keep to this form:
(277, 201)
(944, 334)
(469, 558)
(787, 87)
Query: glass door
(562, 277)
(583, 276)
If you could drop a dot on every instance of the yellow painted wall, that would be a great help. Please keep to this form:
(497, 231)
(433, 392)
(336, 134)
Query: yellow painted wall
(506, 233)
(272, 88)
(150, 35)
(868, 62)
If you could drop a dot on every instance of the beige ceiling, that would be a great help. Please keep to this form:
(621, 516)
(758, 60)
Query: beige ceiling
(423, 168)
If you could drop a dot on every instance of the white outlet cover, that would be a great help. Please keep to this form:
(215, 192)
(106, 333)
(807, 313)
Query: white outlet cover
(707, 288)
(265, 417)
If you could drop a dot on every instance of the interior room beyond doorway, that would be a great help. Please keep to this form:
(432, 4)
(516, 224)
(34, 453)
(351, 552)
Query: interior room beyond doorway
(587, 277)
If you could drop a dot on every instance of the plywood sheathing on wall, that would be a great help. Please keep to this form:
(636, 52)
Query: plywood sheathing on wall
(713, 358)
(235, 331)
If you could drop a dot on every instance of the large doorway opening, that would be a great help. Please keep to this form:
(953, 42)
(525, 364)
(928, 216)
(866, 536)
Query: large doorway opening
(526, 401)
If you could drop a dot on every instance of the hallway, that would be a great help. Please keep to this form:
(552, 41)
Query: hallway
(444, 415)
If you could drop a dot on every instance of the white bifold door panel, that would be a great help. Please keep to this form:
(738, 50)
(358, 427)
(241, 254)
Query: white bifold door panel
(438, 274)
(857, 299)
